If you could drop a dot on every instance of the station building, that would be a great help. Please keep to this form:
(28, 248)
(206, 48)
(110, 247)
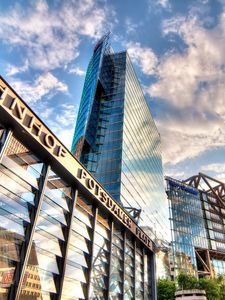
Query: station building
(197, 214)
(62, 235)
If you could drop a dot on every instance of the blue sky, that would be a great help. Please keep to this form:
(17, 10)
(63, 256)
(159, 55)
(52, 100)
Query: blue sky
(178, 50)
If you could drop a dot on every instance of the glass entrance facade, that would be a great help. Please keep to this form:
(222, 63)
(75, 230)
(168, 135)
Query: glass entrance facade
(57, 240)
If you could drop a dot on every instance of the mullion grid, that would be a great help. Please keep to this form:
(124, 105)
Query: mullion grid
(20, 269)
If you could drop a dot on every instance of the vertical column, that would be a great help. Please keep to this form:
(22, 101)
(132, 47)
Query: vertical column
(124, 253)
(110, 259)
(153, 276)
(7, 134)
(15, 289)
(92, 253)
(144, 275)
(135, 269)
(65, 245)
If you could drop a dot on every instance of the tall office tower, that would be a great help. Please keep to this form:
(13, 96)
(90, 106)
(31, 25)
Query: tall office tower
(117, 140)
(197, 210)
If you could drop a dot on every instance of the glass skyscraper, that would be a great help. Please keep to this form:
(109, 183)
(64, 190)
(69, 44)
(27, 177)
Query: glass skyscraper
(117, 140)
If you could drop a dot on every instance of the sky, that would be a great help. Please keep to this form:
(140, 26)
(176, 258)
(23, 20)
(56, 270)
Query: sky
(178, 51)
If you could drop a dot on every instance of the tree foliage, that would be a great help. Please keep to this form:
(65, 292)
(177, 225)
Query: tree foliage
(166, 289)
(187, 282)
(214, 287)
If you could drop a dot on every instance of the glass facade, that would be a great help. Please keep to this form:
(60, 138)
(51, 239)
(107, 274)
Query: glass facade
(198, 230)
(89, 91)
(124, 153)
(100, 260)
(57, 242)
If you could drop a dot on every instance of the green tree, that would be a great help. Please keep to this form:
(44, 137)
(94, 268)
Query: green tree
(221, 282)
(222, 291)
(166, 289)
(212, 288)
(187, 282)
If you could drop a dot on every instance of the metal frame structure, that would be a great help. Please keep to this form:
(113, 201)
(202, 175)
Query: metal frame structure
(65, 245)
(16, 287)
(91, 260)
(134, 212)
(214, 187)
(110, 260)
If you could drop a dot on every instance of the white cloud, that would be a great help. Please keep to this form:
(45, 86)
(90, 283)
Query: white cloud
(59, 118)
(13, 70)
(192, 73)
(49, 38)
(131, 27)
(44, 85)
(217, 168)
(156, 6)
(65, 136)
(145, 57)
(163, 3)
(66, 116)
(191, 88)
(76, 70)
(221, 177)
(62, 122)
(175, 174)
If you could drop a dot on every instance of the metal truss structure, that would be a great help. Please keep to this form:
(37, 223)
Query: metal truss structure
(134, 212)
(215, 191)
(210, 186)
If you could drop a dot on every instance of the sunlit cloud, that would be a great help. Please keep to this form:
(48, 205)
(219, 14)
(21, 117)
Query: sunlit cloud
(190, 88)
(13, 70)
(77, 71)
(221, 177)
(163, 3)
(157, 6)
(175, 174)
(144, 57)
(44, 85)
(217, 168)
(60, 119)
(131, 26)
(50, 38)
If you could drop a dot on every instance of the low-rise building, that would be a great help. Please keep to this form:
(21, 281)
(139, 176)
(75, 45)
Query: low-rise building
(62, 235)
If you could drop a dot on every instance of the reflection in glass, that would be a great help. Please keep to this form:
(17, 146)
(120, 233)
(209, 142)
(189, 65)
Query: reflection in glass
(129, 269)
(116, 272)
(188, 227)
(139, 274)
(121, 147)
(20, 178)
(101, 254)
(78, 260)
(19, 173)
